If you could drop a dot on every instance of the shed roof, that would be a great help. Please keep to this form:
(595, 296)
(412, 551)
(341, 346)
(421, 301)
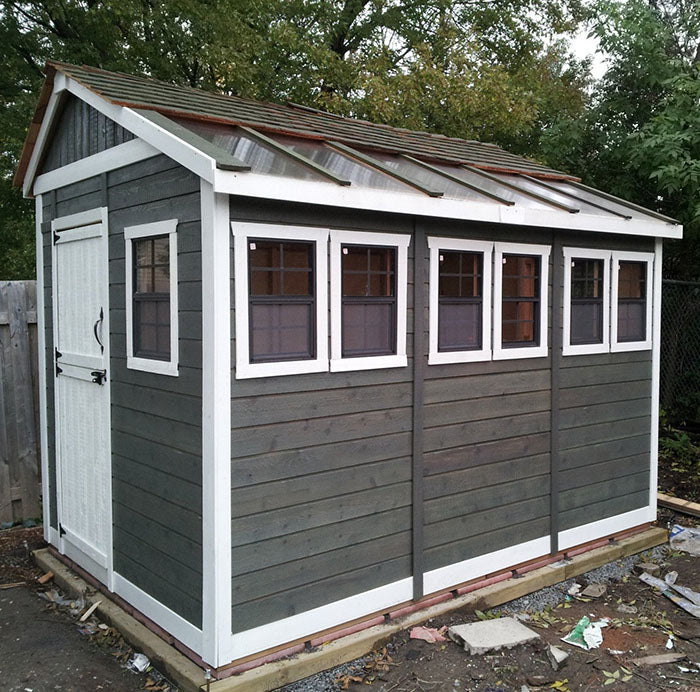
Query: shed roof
(311, 153)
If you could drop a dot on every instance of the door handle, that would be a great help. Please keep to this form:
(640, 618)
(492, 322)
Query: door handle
(99, 376)
(94, 330)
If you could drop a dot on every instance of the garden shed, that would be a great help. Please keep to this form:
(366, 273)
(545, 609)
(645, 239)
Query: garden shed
(301, 371)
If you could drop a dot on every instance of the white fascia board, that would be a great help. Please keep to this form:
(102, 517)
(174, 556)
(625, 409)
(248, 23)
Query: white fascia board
(108, 160)
(185, 154)
(323, 193)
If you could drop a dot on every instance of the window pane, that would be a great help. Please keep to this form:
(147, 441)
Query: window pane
(460, 274)
(297, 255)
(587, 322)
(281, 331)
(520, 305)
(264, 254)
(297, 283)
(631, 280)
(265, 283)
(368, 271)
(147, 341)
(368, 329)
(143, 251)
(161, 276)
(164, 339)
(631, 321)
(161, 250)
(355, 258)
(144, 279)
(278, 269)
(459, 326)
(520, 276)
(449, 286)
(587, 278)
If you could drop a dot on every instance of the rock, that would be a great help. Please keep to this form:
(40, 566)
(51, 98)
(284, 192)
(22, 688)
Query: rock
(491, 635)
(624, 608)
(556, 657)
(594, 590)
(649, 568)
(540, 680)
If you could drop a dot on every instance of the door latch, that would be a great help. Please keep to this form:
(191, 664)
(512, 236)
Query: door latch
(99, 376)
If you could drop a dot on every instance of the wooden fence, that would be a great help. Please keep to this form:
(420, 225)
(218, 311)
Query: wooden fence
(20, 487)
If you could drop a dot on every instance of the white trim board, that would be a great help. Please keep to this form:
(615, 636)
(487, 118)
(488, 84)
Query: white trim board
(605, 527)
(571, 253)
(146, 230)
(216, 425)
(311, 621)
(108, 160)
(242, 232)
(170, 621)
(435, 244)
(657, 294)
(354, 197)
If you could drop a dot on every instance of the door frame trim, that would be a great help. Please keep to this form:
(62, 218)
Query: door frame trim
(66, 224)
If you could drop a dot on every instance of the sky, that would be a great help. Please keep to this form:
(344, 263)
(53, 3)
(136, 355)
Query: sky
(584, 46)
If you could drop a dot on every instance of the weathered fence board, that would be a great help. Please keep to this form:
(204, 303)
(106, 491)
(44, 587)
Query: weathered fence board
(20, 487)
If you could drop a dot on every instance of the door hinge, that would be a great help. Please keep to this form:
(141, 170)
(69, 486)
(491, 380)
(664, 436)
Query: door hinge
(56, 237)
(61, 530)
(58, 354)
(99, 376)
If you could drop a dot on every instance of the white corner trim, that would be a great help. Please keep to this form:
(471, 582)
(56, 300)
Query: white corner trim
(177, 149)
(161, 367)
(604, 527)
(216, 425)
(108, 160)
(657, 294)
(321, 618)
(541, 350)
(170, 621)
(46, 499)
(450, 575)
(624, 346)
(242, 232)
(571, 253)
(395, 240)
(356, 197)
(435, 244)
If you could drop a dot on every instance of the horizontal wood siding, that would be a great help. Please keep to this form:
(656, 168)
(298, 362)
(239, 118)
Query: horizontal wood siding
(605, 424)
(321, 473)
(157, 419)
(80, 131)
(486, 449)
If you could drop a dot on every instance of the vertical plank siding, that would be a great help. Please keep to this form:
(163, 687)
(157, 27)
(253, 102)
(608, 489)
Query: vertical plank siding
(80, 132)
(19, 458)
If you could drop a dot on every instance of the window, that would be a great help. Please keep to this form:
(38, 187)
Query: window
(151, 297)
(520, 300)
(280, 299)
(631, 302)
(368, 300)
(460, 300)
(586, 301)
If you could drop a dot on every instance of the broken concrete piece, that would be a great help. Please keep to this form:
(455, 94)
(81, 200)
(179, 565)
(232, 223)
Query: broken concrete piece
(594, 590)
(557, 657)
(648, 567)
(428, 634)
(491, 635)
(658, 660)
(625, 608)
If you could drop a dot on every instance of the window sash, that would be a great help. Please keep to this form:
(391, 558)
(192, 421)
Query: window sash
(525, 283)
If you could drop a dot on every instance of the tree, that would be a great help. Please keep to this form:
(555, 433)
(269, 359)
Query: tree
(640, 139)
(487, 70)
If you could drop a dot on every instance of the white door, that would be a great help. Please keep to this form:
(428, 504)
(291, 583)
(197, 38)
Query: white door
(81, 336)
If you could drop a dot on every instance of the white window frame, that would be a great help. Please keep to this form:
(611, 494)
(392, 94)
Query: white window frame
(242, 231)
(436, 245)
(161, 367)
(571, 253)
(395, 240)
(624, 256)
(541, 350)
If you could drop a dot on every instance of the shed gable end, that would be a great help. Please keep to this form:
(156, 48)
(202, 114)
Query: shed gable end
(80, 131)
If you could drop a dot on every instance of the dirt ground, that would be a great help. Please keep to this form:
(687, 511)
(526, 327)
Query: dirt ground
(413, 665)
(43, 646)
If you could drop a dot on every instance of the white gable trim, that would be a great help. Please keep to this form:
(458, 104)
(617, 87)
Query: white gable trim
(163, 141)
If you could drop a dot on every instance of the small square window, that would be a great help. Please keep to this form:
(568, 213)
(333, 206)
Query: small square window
(151, 301)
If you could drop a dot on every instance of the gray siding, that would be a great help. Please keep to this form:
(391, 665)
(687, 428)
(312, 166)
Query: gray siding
(321, 474)
(80, 132)
(156, 419)
(486, 446)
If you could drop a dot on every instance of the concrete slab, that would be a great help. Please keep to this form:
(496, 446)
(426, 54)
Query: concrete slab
(492, 635)
(557, 657)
